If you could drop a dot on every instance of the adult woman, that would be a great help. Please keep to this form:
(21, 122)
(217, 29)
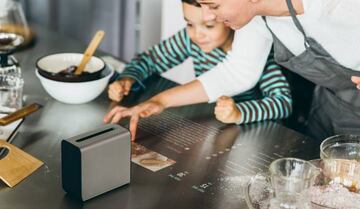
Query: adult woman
(321, 44)
(318, 39)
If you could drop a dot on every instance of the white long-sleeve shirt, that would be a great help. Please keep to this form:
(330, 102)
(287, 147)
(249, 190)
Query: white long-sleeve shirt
(335, 24)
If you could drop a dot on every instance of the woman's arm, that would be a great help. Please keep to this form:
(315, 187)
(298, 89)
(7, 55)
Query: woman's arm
(190, 93)
(244, 64)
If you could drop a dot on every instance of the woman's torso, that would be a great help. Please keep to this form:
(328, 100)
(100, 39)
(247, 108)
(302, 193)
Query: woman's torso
(334, 24)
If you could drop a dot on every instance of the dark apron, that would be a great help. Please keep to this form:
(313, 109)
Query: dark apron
(336, 102)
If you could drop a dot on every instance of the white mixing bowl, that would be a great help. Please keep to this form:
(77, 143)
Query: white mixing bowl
(75, 92)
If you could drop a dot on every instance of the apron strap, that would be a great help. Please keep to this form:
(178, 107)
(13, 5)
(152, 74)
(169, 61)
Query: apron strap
(264, 18)
(273, 34)
(296, 21)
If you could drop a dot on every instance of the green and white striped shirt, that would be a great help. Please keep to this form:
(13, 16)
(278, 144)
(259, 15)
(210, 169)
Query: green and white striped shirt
(269, 99)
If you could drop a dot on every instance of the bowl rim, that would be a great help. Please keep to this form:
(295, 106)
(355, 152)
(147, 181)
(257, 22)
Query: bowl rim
(324, 145)
(68, 80)
(112, 71)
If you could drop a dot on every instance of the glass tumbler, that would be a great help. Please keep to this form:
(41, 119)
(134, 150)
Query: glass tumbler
(292, 175)
(11, 91)
(341, 160)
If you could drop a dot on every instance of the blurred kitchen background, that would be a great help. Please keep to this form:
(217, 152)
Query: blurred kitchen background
(131, 26)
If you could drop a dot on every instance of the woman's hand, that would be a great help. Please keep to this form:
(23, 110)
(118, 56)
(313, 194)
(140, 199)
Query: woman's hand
(143, 110)
(190, 93)
(119, 89)
(226, 110)
(356, 80)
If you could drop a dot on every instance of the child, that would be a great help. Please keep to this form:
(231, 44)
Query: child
(195, 41)
(207, 43)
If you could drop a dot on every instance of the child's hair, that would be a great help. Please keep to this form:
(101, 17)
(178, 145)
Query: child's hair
(192, 2)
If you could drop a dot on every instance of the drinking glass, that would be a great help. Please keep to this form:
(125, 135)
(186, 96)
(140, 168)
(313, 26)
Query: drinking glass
(284, 187)
(341, 160)
(344, 146)
(290, 201)
(12, 68)
(292, 175)
(11, 89)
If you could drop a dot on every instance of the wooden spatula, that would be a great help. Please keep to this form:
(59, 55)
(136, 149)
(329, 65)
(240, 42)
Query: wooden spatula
(95, 42)
(16, 165)
(25, 111)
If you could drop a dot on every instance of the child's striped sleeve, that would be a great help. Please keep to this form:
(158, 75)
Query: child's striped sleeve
(277, 101)
(159, 58)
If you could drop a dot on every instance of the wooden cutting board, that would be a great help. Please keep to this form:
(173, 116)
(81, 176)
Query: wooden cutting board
(16, 165)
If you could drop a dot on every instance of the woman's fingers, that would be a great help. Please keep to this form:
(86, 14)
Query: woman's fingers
(133, 126)
(143, 110)
(145, 114)
(116, 117)
(356, 80)
(109, 116)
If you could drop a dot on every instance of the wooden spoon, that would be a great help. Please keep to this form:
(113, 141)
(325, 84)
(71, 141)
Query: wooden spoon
(25, 111)
(95, 42)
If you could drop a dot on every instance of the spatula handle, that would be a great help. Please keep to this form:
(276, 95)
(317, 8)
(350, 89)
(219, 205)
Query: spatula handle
(95, 42)
(19, 114)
